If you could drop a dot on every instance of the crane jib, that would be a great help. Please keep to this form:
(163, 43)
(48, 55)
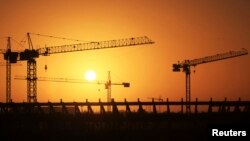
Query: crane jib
(218, 57)
(95, 45)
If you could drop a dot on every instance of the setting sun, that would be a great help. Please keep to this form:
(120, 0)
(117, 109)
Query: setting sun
(90, 75)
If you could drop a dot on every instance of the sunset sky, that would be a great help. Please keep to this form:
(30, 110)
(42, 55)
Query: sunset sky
(181, 29)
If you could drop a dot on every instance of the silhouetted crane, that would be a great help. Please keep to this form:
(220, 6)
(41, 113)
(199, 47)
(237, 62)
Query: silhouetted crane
(108, 87)
(31, 54)
(107, 84)
(186, 64)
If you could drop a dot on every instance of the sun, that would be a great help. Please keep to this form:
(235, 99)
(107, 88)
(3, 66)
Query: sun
(90, 75)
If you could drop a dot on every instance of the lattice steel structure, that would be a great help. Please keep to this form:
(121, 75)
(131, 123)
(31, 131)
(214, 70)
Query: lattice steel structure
(186, 64)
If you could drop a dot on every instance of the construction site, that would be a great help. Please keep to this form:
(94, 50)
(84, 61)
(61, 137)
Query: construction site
(154, 119)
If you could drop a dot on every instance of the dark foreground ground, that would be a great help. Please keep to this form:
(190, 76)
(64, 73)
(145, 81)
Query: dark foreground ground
(120, 127)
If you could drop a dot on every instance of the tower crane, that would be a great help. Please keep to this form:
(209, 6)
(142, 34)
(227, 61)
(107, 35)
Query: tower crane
(31, 54)
(108, 87)
(187, 64)
(107, 84)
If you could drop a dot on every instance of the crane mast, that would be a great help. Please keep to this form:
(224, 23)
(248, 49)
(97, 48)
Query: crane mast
(108, 87)
(31, 54)
(8, 72)
(186, 64)
(10, 57)
(31, 73)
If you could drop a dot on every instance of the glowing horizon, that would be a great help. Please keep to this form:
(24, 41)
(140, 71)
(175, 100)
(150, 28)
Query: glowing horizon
(180, 29)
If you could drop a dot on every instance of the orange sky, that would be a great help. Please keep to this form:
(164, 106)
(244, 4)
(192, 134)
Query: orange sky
(181, 30)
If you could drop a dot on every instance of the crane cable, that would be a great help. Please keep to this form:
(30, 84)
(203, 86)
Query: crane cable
(19, 43)
(15, 41)
(63, 38)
